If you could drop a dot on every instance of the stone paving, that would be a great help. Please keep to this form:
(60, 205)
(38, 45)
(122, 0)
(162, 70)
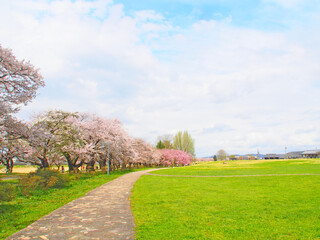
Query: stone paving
(103, 213)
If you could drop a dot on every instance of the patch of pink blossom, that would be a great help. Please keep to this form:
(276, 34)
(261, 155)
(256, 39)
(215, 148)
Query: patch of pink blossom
(171, 157)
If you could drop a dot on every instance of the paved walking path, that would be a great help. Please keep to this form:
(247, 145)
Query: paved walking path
(102, 214)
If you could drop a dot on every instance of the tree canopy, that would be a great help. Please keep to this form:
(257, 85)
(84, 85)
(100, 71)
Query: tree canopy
(19, 82)
(222, 154)
(160, 145)
(165, 141)
(184, 142)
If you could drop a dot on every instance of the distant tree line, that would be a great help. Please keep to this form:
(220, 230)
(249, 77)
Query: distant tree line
(181, 141)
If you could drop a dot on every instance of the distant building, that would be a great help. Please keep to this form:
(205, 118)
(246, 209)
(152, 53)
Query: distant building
(294, 155)
(244, 157)
(205, 159)
(311, 154)
(270, 156)
(274, 156)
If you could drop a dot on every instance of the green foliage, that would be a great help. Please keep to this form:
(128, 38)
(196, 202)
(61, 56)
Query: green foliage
(166, 142)
(184, 142)
(42, 179)
(7, 192)
(266, 207)
(160, 145)
(28, 184)
(51, 178)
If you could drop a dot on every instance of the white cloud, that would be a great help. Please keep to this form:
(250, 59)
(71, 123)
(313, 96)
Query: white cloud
(285, 3)
(148, 15)
(233, 88)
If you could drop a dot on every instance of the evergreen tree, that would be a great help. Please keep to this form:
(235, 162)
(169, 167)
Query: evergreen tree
(160, 145)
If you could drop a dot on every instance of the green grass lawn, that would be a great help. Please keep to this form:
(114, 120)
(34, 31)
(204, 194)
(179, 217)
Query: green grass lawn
(22, 211)
(249, 167)
(268, 207)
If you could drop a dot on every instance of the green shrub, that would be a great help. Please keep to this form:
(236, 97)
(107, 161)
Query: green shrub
(7, 192)
(51, 178)
(29, 183)
(42, 179)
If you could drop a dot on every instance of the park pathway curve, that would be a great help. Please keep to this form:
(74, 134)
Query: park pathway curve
(102, 214)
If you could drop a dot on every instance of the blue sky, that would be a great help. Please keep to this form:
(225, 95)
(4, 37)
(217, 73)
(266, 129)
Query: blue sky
(265, 15)
(238, 75)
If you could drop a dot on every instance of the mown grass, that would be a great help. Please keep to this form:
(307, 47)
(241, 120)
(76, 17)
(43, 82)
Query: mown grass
(266, 207)
(250, 167)
(21, 212)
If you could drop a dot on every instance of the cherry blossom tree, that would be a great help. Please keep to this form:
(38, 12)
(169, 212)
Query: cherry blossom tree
(102, 134)
(19, 82)
(11, 139)
(52, 136)
(146, 154)
(10, 150)
(171, 157)
(85, 139)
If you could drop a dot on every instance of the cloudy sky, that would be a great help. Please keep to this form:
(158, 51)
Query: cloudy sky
(238, 75)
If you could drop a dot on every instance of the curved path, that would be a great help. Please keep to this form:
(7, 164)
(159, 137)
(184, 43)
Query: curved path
(103, 213)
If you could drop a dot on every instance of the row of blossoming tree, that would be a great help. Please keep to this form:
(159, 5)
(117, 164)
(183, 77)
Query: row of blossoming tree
(56, 137)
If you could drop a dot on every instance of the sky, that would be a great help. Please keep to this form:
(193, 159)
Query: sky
(237, 75)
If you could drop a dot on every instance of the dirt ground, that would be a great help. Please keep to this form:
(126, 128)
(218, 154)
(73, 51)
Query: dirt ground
(23, 169)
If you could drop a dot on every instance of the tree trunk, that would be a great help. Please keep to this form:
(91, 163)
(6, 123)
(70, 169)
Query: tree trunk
(123, 166)
(44, 162)
(103, 162)
(112, 167)
(9, 166)
(70, 165)
(90, 165)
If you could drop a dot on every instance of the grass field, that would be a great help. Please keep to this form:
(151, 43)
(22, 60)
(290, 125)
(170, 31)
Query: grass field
(264, 207)
(22, 211)
(248, 167)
